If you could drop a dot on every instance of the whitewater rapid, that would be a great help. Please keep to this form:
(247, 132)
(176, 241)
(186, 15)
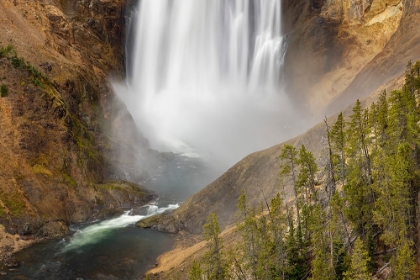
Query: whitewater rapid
(96, 232)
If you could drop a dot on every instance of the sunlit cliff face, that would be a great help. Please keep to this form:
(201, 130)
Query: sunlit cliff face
(204, 76)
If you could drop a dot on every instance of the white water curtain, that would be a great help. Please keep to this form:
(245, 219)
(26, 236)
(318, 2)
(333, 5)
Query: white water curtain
(205, 74)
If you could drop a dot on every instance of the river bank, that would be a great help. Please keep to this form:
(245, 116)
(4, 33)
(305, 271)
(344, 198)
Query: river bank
(109, 249)
(10, 244)
(114, 247)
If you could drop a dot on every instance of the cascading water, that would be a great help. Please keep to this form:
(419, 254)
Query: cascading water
(110, 249)
(96, 232)
(203, 76)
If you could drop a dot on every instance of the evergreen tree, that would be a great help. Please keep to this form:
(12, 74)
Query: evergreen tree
(195, 272)
(289, 157)
(306, 177)
(382, 120)
(277, 227)
(215, 263)
(255, 245)
(359, 263)
(322, 262)
(338, 143)
(358, 187)
(403, 262)
(297, 263)
(393, 209)
(331, 184)
(375, 158)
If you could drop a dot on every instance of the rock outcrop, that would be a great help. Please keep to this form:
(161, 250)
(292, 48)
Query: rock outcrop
(57, 113)
(339, 51)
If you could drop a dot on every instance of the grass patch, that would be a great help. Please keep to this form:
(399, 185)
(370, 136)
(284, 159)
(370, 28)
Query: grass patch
(39, 169)
(69, 180)
(38, 79)
(122, 186)
(2, 211)
(18, 62)
(4, 91)
(110, 186)
(13, 202)
(5, 51)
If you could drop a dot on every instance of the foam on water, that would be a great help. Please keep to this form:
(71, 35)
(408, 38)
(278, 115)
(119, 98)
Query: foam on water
(94, 233)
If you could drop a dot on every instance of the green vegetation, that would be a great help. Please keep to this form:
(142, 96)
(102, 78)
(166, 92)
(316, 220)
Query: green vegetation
(69, 180)
(89, 158)
(40, 169)
(37, 78)
(359, 263)
(214, 264)
(4, 91)
(122, 186)
(2, 211)
(4, 51)
(13, 203)
(365, 220)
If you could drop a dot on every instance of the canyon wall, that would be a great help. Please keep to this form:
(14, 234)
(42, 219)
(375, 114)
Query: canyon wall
(61, 125)
(339, 51)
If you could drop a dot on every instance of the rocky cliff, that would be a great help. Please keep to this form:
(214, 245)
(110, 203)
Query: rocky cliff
(339, 51)
(57, 113)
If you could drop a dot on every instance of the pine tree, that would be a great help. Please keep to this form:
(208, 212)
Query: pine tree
(321, 254)
(331, 184)
(253, 248)
(393, 209)
(195, 272)
(359, 263)
(297, 263)
(403, 262)
(358, 187)
(289, 168)
(215, 264)
(338, 143)
(308, 170)
(277, 227)
(382, 120)
(404, 132)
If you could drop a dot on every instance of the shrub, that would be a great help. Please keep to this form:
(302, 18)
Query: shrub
(5, 50)
(18, 62)
(4, 90)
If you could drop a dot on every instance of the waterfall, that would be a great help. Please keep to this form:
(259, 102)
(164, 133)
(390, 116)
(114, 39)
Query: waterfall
(203, 76)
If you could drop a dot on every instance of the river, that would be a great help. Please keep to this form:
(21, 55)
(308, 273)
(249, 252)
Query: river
(115, 248)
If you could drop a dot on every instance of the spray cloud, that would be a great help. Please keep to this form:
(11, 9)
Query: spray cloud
(203, 77)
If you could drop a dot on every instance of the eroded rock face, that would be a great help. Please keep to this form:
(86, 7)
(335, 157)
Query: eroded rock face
(330, 42)
(56, 149)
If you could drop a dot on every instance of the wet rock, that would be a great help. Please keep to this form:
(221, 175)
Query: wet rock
(166, 156)
(11, 262)
(53, 229)
(140, 211)
(20, 277)
(152, 152)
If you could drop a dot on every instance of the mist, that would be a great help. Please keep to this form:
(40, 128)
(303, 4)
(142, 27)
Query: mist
(204, 77)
